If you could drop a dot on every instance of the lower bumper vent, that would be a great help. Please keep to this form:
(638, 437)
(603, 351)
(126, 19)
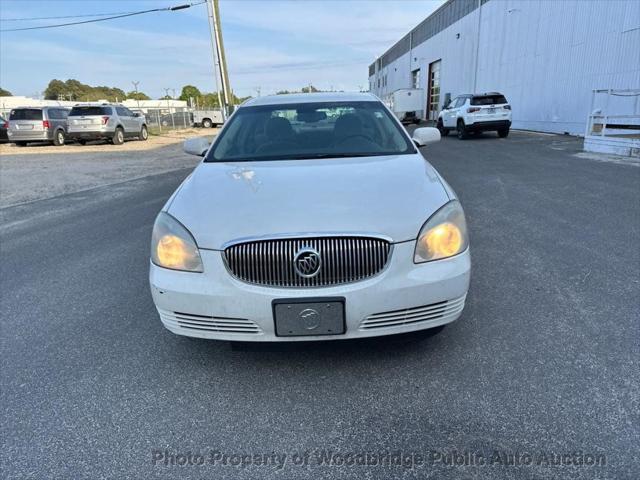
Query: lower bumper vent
(408, 316)
(190, 321)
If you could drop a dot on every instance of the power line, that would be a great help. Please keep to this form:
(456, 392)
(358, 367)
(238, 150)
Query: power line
(141, 12)
(64, 16)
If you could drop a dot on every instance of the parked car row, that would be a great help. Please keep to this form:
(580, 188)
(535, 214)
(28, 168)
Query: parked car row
(83, 122)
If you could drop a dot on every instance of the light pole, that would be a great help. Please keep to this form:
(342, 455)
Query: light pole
(135, 87)
(166, 94)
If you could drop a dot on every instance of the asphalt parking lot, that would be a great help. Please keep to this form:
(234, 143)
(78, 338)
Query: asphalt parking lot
(544, 360)
(40, 171)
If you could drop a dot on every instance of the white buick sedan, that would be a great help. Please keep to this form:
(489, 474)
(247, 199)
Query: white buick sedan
(311, 217)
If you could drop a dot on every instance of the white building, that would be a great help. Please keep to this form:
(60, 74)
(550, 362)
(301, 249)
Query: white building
(545, 56)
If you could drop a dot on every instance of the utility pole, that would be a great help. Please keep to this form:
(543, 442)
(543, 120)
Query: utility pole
(226, 100)
(216, 62)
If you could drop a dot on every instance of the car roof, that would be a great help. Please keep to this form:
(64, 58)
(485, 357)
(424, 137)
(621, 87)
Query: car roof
(486, 94)
(291, 98)
(96, 104)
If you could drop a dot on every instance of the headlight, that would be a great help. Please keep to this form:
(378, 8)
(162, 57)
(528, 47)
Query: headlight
(172, 246)
(444, 234)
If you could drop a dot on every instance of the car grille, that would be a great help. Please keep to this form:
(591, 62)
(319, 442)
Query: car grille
(410, 316)
(343, 260)
(205, 323)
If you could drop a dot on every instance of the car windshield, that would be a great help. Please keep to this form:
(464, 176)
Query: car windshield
(489, 100)
(310, 130)
(87, 111)
(26, 114)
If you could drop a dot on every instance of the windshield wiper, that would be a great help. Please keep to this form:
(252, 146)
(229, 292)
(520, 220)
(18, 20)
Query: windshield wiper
(310, 156)
(305, 156)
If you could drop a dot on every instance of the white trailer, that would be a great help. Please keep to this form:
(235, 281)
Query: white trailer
(407, 104)
(207, 118)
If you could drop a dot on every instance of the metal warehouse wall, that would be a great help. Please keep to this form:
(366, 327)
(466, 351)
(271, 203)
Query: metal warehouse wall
(545, 56)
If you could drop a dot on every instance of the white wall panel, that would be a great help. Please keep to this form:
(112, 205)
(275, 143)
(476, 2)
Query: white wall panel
(545, 56)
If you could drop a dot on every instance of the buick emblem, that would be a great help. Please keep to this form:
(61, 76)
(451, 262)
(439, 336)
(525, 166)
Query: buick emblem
(307, 262)
(310, 318)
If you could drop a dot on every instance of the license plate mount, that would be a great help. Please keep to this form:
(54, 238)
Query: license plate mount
(296, 317)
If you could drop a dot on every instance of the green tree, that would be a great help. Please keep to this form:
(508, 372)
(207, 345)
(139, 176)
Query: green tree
(209, 100)
(309, 89)
(5, 93)
(55, 89)
(189, 91)
(75, 90)
(302, 90)
(138, 96)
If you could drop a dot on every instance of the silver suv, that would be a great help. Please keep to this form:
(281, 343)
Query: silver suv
(38, 124)
(105, 122)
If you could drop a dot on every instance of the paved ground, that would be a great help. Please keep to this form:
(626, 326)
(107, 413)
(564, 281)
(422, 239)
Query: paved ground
(39, 171)
(544, 359)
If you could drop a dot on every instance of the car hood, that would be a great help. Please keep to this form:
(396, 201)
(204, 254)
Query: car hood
(389, 196)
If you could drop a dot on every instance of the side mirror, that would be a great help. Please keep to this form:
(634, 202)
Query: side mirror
(196, 146)
(136, 114)
(425, 135)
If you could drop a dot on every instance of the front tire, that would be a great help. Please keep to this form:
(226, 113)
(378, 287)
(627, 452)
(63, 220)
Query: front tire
(58, 138)
(206, 123)
(21, 144)
(503, 133)
(118, 136)
(463, 133)
(144, 133)
(443, 131)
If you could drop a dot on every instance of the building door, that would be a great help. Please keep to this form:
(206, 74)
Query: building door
(433, 91)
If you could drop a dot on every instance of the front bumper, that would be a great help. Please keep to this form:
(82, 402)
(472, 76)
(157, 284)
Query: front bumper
(215, 305)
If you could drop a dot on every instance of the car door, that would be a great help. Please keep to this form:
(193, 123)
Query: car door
(63, 114)
(449, 115)
(456, 111)
(56, 119)
(125, 120)
(136, 121)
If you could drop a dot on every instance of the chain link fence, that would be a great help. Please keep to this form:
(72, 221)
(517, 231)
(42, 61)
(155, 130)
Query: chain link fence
(170, 119)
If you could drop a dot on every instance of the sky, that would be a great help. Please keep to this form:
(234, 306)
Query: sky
(271, 45)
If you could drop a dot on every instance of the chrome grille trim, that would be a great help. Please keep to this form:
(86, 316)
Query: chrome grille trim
(344, 260)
